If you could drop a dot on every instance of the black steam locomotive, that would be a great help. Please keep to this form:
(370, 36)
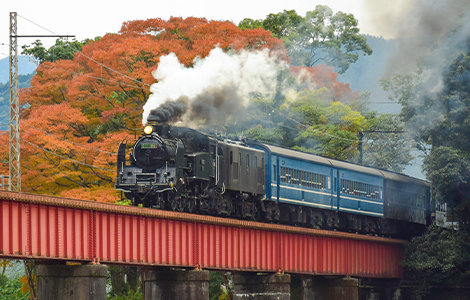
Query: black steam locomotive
(183, 169)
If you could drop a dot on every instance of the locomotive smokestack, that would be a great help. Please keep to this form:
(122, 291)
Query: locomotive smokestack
(152, 120)
(169, 111)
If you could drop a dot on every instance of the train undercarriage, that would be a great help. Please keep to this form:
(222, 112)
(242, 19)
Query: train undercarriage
(217, 202)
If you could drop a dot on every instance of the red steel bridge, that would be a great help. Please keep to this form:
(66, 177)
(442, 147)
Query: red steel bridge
(50, 228)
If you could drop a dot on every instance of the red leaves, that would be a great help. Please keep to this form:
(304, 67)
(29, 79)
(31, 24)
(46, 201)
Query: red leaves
(323, 76)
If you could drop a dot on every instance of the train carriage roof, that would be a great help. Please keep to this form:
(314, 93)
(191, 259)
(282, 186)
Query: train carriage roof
(339, 164)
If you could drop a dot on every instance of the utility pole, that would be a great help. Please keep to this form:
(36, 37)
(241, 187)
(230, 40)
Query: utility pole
(360, 135)
(14, 127)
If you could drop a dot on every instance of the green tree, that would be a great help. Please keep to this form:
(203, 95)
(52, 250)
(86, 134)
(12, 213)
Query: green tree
(317, 121)
(122, 289)
(216, 283)
(386, 145)
(309, 121)
(319, 37)
(436, 109)
(248, 23)
(63, 49)
(440, 256)
(283, 25)
(440, 121)
(404, 89)
(11, 289)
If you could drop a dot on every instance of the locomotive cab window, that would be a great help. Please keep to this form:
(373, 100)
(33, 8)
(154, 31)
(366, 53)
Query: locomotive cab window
(231, 157)
(212, 152)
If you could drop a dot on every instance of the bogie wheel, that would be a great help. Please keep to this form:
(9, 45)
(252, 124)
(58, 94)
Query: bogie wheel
(229, 207)
(191, 205)
(177, 204)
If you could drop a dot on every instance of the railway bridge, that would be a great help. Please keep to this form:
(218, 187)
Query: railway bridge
(176, 250)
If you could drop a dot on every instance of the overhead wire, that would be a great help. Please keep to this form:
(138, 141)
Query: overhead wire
(36, 24)
(81, 53)
(307, 126)
(19, 58)
(67, 158)
(77, 153)
(90, 76)
(90, 148)
(96, 77)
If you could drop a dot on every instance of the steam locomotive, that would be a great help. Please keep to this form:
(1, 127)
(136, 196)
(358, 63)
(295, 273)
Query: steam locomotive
(183, 169)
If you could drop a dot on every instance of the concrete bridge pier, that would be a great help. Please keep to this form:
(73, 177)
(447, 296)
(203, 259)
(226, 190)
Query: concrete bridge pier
(346, 288)
(249, 286)
(319, 288)
(72, 282)
(175, 284)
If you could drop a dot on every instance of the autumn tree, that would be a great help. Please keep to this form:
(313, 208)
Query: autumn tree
(323, 76)
(82, 104)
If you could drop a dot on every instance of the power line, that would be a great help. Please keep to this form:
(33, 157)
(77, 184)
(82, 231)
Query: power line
(36, 24)
(67, 158)
(89, 76)
(80, 53)
(99, 150)
(307, 126)
(77, 153)
(95, 77)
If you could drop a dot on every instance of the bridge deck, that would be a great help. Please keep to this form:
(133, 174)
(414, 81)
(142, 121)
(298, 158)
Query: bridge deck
(41, 227)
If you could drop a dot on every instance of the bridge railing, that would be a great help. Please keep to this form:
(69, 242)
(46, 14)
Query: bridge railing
(50, 228)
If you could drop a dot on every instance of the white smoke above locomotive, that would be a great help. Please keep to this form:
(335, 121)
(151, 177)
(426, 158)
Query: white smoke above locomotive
(214, 89)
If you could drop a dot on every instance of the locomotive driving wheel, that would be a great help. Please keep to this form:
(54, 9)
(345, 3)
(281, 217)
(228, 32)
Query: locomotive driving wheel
(177, 204)
(191, 205)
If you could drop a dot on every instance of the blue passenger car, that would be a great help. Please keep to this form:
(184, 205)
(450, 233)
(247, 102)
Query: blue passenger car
(361, 194)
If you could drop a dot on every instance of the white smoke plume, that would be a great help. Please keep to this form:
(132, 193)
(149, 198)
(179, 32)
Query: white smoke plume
(213, 89)
(418, 25)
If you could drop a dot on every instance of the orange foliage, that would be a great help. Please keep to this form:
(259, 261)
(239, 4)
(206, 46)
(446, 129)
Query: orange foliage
(25, 283)
(102, 194)
(323, 76)
(78, 111)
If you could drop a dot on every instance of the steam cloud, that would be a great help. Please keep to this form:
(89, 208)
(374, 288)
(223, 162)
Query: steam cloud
(418, 24)
(434, 34)
(213, 90)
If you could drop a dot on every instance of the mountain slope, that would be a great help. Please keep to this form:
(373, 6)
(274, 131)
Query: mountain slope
(24, 67)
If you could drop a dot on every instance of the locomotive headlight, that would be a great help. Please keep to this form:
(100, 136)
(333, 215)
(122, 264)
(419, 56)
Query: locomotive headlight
(148, 129)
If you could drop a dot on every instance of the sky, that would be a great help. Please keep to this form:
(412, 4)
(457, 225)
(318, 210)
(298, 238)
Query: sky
(88, 19)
